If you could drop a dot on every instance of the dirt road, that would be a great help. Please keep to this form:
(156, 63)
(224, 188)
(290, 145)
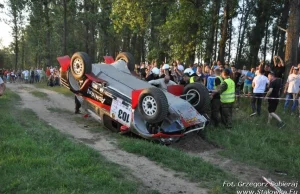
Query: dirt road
(150, 174)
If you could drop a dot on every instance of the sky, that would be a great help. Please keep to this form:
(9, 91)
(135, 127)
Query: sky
(5, 29)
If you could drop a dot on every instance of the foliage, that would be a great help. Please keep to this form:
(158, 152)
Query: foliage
(149, 29)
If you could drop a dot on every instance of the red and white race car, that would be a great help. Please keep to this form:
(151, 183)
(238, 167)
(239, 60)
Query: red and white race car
(113, 95)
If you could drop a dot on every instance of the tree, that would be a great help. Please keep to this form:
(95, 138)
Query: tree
(213, 28)
(293, 31)
(15, 12)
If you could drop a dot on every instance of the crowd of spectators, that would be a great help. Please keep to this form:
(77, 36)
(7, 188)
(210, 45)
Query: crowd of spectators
(32, 75)
(253, 82)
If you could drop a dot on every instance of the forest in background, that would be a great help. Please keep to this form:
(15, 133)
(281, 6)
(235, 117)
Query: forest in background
(152, 29)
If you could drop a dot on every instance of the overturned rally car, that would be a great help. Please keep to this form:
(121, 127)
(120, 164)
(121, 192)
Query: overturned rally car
(122, 102)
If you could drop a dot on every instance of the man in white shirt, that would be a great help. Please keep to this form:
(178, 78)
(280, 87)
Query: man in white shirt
(259, 84)
(162, 83)
(26, 75)
(292, 89)
(2, 86)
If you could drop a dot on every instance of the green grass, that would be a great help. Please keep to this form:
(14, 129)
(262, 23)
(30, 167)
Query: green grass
(59, 89)
(194, 168)
(36, 158)
(60, 110)
(39, 94)
(251, 141)
(254, 142)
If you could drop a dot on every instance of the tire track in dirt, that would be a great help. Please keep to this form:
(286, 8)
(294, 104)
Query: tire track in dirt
(151, 175)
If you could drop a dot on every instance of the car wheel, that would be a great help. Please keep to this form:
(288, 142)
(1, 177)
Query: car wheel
(153, 105)
(73, 82)
(80, 65)
(201, 101)
(128, 58)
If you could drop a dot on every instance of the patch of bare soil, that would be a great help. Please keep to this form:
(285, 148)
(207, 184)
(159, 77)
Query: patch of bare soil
(150, 174)
(192, 142)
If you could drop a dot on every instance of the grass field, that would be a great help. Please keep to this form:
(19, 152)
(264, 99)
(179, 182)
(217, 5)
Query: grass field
(194, 168)
(39, 94)
(59, 89)
(251, 141)
(35, 158)
(255, 142)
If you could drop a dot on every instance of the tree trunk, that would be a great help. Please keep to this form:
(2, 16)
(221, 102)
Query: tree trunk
(16, 36)
(275, 42)
(23, 52)
(262, 16)
(292, 36)
(240, 30)
(216, 31)
(224, 32)
(48, 34)
(230, 39)
(87, 28)
(210, 42)
(266, 40)
(245, 26)
(283, 24)
(65, 27)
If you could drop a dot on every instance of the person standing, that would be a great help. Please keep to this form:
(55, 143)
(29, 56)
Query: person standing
(2, 86)
(279, 67)
(235, 76)
(248, 82)
(216, 102)
(291, 89)
(259, 84)
(189, 76)
(153, 75)
(274, 92)
(227, 98)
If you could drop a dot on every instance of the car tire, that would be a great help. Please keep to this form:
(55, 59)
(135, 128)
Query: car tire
(73, 82)
(202, 100)
(128, 58)
(153, 105)
(80, 65)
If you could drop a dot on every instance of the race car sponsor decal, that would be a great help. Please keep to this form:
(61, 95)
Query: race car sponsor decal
(95, 96)
(120, 112)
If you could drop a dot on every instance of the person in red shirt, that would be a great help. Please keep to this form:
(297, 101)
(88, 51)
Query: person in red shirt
(48, 73)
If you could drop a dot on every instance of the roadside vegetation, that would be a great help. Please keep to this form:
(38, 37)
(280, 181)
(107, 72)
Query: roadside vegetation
(251, 141)
(36, 158)
(194, 168)
(39, 94)
(59, 89)
(254, 142)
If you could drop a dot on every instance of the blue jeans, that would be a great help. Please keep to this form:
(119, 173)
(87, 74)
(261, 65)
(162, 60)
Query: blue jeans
(256, 102)
(288, 98)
